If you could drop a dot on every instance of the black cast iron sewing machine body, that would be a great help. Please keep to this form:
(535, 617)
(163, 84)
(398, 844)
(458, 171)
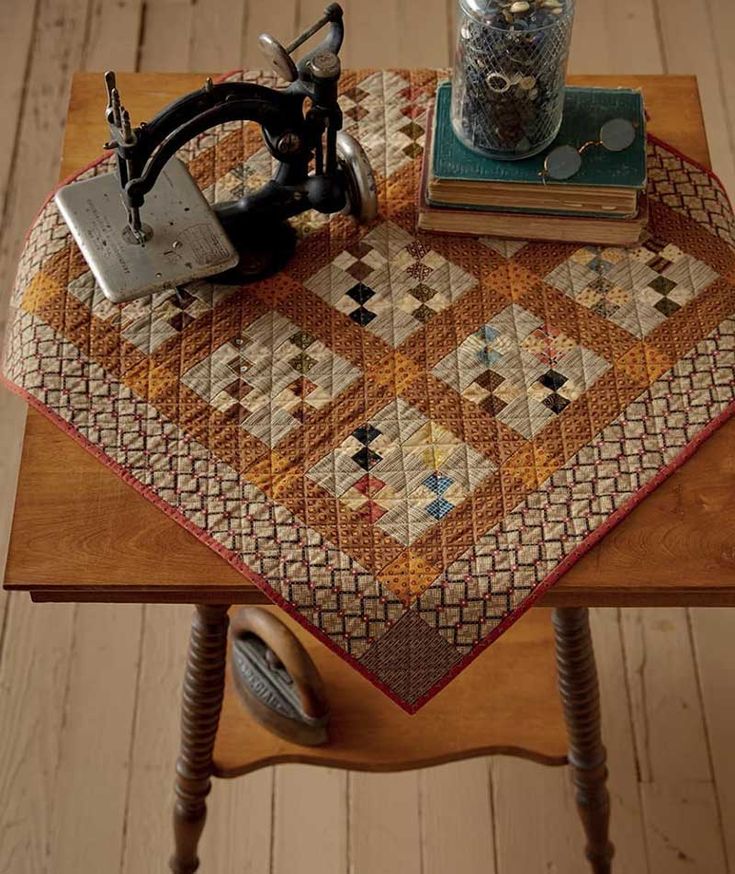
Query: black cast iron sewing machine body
(317, 166)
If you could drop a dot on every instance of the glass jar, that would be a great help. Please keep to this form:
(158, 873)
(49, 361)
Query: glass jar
(509, 74)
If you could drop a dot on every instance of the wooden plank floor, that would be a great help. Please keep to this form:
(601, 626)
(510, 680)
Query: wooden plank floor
(89, 694)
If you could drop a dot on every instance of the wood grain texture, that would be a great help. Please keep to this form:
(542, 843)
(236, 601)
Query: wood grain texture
(238, 834)
(89, 795)
(87, 827)
(16, 35)
(722, 25)
(535, 821)
(679, 799)
(34, 679)
(485, 709)
(713, 633)
(682, 828)
(113, 30)
(674, 549)
(309, 820)
(660, 825)
(217, 31)
(626, 823)
(12, 420)
(688, 44)
(615, 37)
(49, 654)
(374, 36)
(154, 740)
(456, 819)
(391, 806)
(163, 47)
(58, 44)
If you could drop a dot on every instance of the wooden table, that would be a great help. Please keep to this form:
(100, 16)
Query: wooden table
(81, 534)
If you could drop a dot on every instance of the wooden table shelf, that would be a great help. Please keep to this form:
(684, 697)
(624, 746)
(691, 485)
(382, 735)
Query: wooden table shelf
(506, 702)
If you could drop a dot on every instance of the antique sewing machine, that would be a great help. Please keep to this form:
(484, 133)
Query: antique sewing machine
(148, 227)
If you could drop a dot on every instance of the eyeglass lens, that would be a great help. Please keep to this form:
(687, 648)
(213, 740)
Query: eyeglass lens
(617, 134)
(563, 162)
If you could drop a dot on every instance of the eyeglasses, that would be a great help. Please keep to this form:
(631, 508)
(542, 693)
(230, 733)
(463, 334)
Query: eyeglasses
(563, 162)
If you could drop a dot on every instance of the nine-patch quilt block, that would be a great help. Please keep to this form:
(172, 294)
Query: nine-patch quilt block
(404, 437)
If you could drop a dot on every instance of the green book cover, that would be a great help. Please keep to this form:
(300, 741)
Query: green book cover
(585, 111)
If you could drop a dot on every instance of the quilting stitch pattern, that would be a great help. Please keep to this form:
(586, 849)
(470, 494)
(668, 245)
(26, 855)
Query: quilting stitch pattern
(404, 434)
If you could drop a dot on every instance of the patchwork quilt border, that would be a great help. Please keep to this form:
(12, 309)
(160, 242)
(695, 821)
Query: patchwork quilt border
(530, 600)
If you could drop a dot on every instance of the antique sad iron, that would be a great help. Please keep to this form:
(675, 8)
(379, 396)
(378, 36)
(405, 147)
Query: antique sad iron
(148, 227)
(276, 679)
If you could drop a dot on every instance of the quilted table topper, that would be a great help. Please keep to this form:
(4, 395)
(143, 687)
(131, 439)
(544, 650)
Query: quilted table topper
(403, 438)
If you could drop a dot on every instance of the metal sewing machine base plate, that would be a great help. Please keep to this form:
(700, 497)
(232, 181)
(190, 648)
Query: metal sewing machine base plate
(187, 241)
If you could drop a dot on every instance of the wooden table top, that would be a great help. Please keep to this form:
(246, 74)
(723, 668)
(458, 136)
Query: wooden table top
(80, 533)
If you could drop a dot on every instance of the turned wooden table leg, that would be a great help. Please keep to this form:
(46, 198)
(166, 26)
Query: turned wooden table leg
(203, 691)
(580, 695)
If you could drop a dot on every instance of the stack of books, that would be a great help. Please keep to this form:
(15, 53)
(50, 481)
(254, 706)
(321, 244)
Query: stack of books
(464, 192)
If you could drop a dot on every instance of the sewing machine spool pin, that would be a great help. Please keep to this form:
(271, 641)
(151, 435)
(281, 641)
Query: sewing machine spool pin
(128, 245)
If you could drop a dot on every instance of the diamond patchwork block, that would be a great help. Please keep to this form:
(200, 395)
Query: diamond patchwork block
(520, 369)
(389, 283)
(638, 288)
(401, 472)
(270, 378)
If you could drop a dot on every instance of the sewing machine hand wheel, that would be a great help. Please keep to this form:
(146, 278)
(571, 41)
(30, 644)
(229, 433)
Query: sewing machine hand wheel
(277, 681)
(362, 194)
